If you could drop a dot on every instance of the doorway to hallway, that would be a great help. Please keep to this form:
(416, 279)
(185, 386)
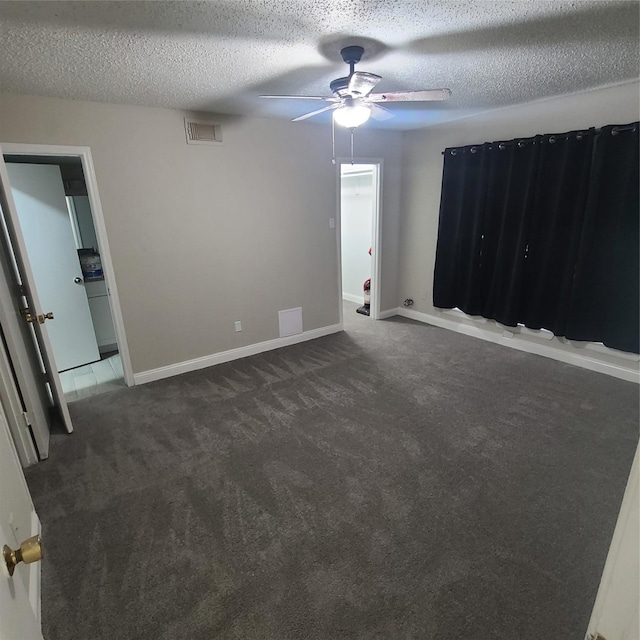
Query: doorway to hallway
(38, 397)
(52, 202)
(359, 252)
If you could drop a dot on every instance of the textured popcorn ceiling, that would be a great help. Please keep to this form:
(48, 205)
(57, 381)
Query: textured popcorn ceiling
(219, 56)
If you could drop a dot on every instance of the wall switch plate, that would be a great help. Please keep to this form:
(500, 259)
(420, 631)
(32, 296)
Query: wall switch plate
(238, 325)
(332, 223)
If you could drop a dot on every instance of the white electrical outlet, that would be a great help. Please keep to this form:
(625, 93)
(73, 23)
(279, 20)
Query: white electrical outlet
(238, 325)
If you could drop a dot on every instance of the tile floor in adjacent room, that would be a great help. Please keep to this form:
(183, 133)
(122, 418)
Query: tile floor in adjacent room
(93, 379)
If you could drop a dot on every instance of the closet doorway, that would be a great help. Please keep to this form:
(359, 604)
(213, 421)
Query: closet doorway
(359, 235)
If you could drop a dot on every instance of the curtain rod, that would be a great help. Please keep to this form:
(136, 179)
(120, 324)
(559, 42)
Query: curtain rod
(614, 132)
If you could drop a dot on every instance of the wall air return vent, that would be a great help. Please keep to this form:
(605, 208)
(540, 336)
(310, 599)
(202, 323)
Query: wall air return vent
(203, 132)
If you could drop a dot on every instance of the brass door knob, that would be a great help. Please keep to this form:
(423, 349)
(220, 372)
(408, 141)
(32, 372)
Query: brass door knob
(30, 551)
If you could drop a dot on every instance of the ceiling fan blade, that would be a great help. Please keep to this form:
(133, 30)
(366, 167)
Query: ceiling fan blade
(302, 98)
(411, 96)
(379, 113)
(361, 83)
(316, 112)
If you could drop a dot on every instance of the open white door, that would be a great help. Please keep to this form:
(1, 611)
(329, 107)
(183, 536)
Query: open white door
(22, 360)
(38, 194)
(20, 593)
(615, 612)
(28, 290)
(19, 411)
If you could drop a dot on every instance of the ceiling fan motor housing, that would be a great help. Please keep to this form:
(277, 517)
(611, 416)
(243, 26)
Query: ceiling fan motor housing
(351, 55)
(339, 87)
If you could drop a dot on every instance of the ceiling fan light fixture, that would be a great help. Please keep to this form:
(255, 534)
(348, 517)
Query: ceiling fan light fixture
(351, 115)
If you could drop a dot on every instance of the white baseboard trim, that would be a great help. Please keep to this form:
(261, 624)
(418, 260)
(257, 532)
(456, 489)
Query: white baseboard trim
(351, 298)
(388, 313)
(593, 363)
(232, 354)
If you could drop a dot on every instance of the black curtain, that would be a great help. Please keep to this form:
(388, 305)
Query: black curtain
(543, 232)
(510, 193)
(457, 279)
(604, 303)
(561, 190)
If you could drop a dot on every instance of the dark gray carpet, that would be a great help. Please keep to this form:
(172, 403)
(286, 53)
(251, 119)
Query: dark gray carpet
(396, 481)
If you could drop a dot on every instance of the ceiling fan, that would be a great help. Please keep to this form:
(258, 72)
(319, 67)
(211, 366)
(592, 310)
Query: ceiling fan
(353, 103)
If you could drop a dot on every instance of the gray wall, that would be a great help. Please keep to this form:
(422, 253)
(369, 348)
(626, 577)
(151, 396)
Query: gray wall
(203, 236)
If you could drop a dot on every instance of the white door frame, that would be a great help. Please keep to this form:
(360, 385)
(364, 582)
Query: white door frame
(376, 232)
(84, 154)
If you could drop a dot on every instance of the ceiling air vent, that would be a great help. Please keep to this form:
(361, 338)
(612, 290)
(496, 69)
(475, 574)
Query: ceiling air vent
(202, 132)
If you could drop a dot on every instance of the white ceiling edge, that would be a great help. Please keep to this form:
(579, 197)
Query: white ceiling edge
(441, 124)
(560, 96)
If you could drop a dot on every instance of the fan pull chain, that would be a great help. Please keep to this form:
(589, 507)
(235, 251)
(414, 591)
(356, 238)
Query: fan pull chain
(352, 130)
(333, 141)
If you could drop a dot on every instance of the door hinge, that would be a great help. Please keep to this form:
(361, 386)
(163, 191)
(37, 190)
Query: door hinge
(27, 421)
(46, 377)
(27, 315)
(40, 318)
(21, 290)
